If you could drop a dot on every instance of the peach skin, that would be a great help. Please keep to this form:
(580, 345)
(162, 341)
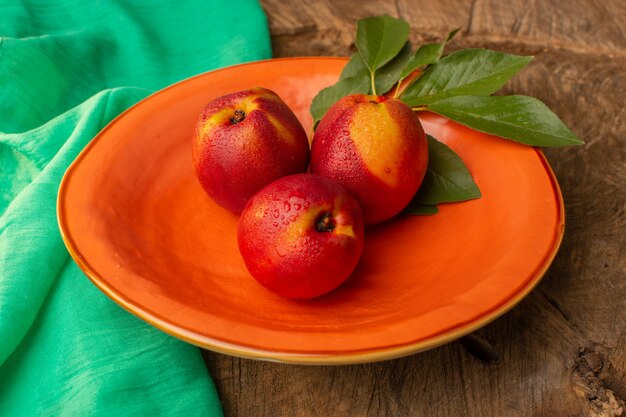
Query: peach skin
(301, 236)
(376, 148)
(244, 141)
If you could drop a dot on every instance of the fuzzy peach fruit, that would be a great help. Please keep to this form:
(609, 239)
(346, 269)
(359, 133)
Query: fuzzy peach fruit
(244, 141)
(301, 236)
(376, 148)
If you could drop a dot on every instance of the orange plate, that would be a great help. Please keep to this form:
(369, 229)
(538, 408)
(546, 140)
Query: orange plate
(136, 221)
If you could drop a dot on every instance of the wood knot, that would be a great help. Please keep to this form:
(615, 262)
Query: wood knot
(591, 381)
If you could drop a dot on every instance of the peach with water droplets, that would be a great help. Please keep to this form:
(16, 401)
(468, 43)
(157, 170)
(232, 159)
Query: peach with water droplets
(244, 141)
(301, 236)
(376, 148)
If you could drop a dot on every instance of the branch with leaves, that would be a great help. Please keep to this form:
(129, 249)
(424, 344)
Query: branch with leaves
(457, 86)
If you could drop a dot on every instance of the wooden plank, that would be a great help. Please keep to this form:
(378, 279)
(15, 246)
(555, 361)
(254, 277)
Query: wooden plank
(443, 382)
(562, 351)
(585, 25)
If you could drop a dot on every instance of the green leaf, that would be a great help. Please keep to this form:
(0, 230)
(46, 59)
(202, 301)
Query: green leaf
(388, 75)
(466, 72)
(520, 118)
(421, 209)
(329, 96)
(426, 55)
(447, 178)
(379, 39)
(354, 68)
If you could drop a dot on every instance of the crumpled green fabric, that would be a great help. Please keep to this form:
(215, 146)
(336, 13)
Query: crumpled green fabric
(68, 67)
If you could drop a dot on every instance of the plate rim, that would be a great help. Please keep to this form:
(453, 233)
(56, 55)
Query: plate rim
(366, 356)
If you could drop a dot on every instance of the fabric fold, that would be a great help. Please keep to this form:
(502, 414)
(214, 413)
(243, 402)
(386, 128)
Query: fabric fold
(66, 69)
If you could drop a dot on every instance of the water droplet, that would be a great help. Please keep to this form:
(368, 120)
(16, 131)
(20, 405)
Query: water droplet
(281, 251)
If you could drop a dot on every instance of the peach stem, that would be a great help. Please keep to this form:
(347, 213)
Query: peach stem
(373, 83)
(325, 223)
(239, 116)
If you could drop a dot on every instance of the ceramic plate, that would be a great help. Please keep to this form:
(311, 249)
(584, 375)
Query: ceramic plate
(137, 222)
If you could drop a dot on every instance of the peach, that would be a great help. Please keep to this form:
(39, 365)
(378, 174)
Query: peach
(376, 148)
(244, 141)
(301, 236)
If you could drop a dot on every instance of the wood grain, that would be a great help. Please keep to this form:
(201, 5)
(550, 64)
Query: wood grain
(562, 351)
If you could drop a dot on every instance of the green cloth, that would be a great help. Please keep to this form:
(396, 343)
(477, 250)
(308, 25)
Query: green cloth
(68, 67)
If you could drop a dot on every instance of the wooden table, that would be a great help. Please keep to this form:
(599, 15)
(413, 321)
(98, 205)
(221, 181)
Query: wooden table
(562, 350)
